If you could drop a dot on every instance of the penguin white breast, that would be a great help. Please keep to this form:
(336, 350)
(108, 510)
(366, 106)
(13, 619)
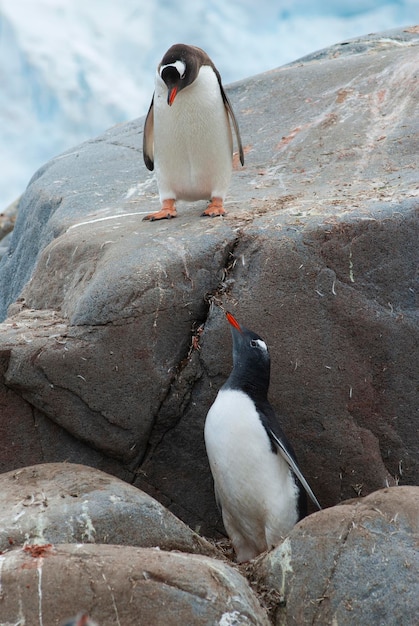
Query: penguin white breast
(192, 140)
(256, 488)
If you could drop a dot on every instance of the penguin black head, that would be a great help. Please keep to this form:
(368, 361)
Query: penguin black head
(251, 361)
(180, 66)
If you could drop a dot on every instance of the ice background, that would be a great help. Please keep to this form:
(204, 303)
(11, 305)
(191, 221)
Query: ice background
(70, 69)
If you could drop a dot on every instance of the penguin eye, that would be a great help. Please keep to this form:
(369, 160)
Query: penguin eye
(258, 343)
(179, 66)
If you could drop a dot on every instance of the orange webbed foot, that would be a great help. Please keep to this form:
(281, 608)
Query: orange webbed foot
(214, 208)
(167, 211)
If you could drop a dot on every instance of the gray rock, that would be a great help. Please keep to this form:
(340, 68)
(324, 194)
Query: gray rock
(68, 503)
(381, 41)
(123, 585)
(357, 563)
(318, 254)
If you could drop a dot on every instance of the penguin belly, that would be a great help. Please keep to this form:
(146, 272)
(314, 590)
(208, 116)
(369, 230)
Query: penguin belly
(254, 486)
(192, 141)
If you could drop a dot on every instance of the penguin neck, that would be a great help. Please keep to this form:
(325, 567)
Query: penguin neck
(254, 384)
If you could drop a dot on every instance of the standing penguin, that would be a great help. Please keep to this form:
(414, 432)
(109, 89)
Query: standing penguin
(187, 134)
(258, 484)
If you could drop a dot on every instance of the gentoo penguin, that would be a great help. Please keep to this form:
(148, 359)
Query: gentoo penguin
(187, 135)
(258, 484)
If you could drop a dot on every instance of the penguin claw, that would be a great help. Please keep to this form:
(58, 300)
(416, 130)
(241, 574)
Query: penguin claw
(160, 215)
(212, 214)
(214, 209)
(167, 211)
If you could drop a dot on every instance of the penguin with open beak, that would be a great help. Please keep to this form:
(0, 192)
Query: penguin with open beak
(187, 132)
(258, 485)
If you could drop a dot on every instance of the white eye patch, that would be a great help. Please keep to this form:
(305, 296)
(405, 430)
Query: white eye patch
(260, 343)
(178, 65)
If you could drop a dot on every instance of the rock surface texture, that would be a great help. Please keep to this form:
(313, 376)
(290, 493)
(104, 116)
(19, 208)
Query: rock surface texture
(352, 564)
(67, 503)
(123, 585)
(110, 350)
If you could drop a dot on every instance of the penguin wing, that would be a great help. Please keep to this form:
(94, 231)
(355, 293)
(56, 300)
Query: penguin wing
(148, 138)
(293, 465)
(270, 421)
(230, 112)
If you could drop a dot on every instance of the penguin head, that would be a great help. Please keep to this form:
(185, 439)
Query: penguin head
(179, 68)
(251, 361)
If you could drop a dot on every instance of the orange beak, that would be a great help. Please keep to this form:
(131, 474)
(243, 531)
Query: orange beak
(232, 320)
(171, 96)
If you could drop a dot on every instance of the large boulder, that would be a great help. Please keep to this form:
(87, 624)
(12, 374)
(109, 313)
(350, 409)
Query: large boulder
(67, 503)
(47, 584)
(111, 352)
(352, 564)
